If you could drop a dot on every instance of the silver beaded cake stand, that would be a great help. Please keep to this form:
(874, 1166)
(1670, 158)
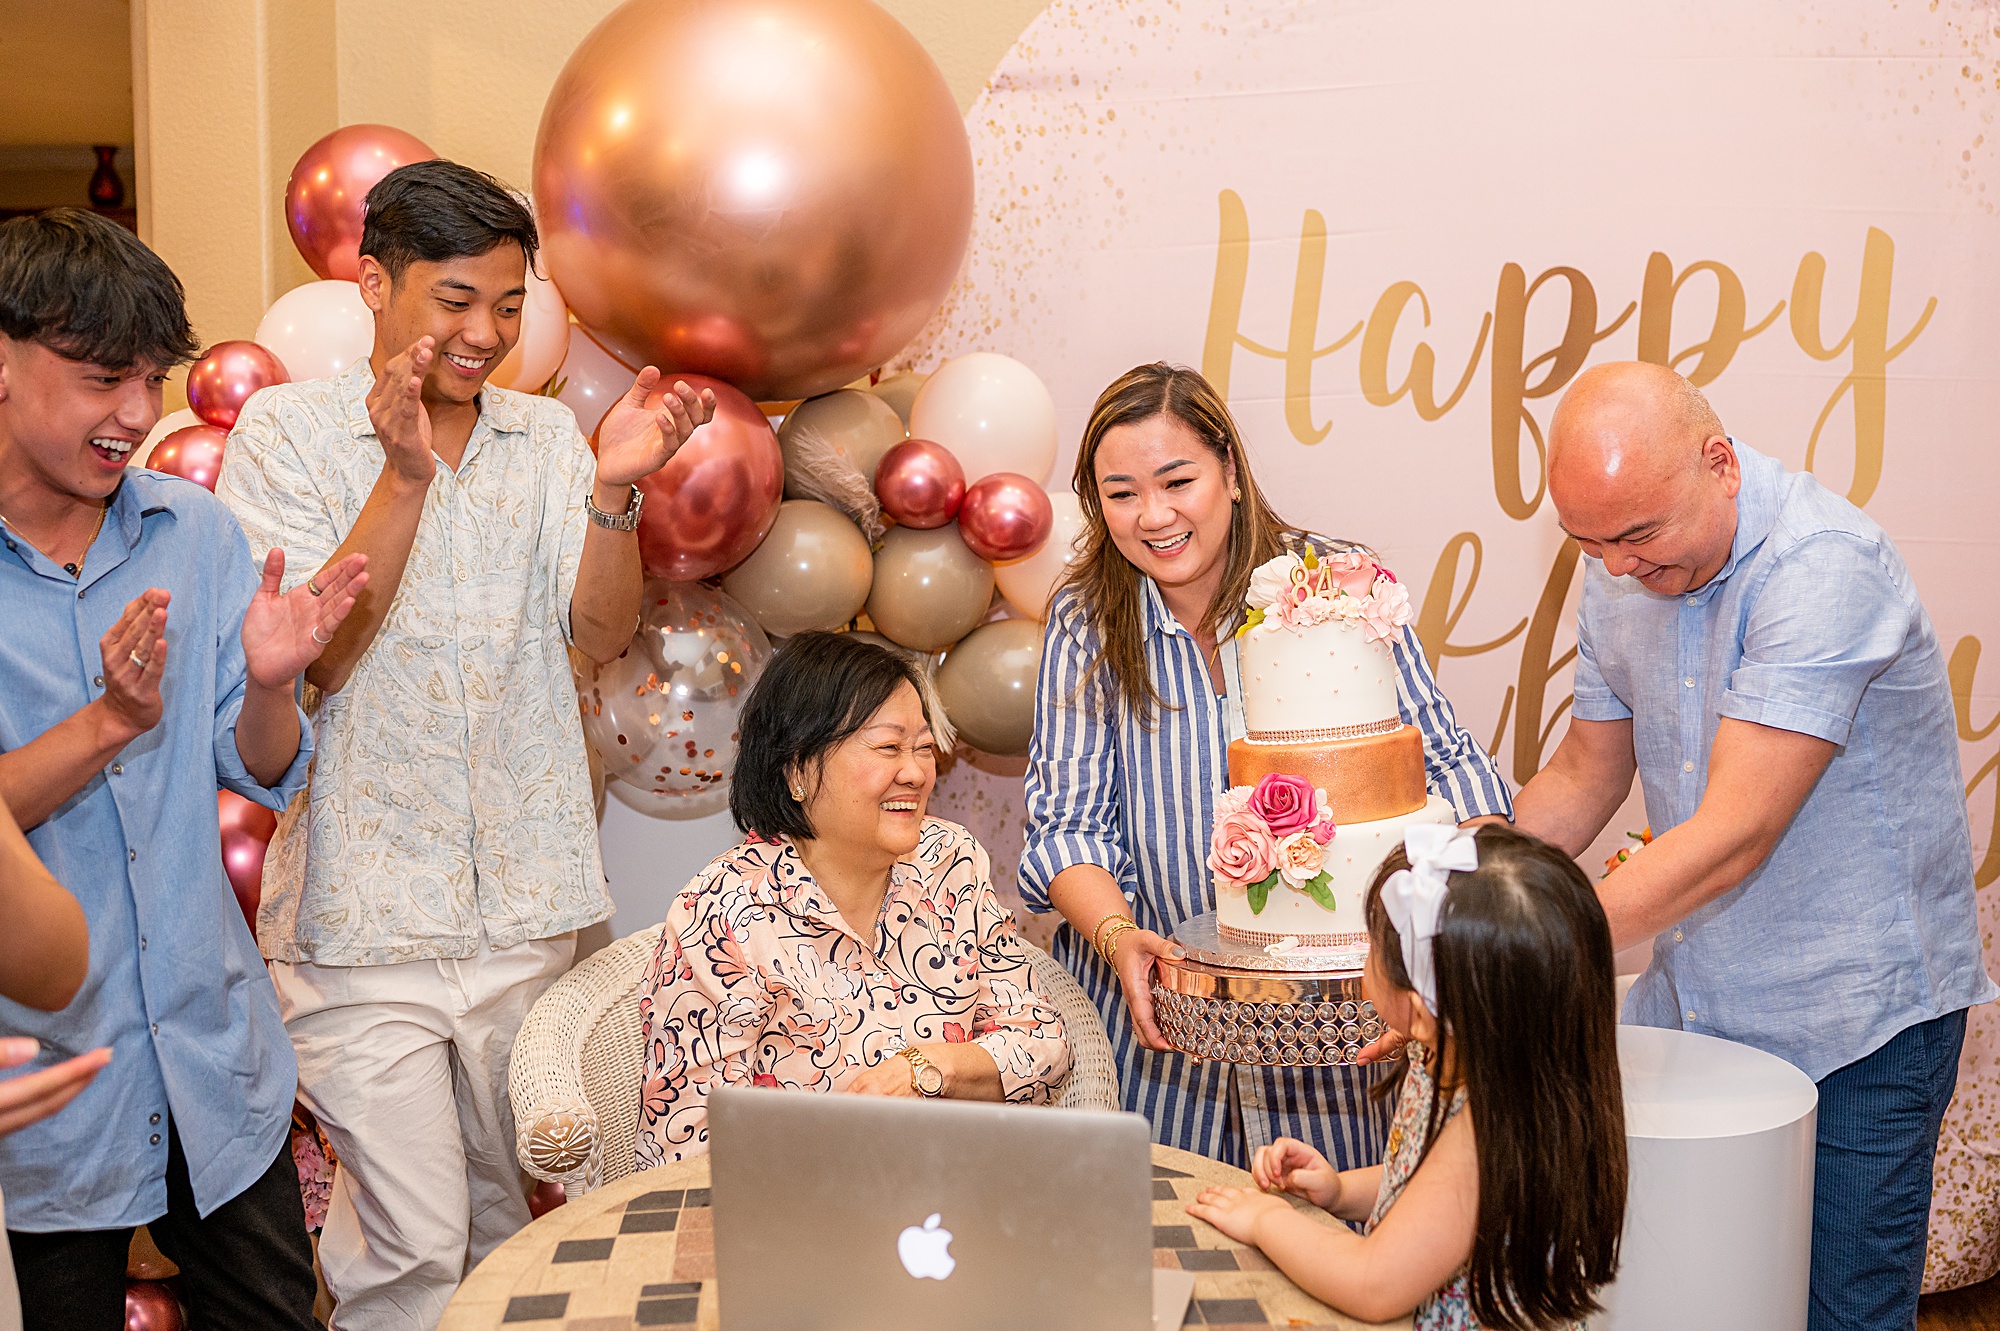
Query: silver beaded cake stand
(1238, 1003)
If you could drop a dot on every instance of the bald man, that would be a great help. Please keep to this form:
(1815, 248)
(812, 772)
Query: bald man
(1754, 648)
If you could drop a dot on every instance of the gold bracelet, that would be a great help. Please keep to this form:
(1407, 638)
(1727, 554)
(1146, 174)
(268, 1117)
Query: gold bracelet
(1111, 936)
(1114, 915)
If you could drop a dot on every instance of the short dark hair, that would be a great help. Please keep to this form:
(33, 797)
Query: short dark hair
(1528, 1016)
(817, 691)
(88, 289)
(437, 210)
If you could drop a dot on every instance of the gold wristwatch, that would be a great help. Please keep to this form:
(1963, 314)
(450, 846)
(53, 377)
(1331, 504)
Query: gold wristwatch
(925, 1075)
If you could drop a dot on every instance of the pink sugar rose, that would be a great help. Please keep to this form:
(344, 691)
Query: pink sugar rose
(1241, 851)
(1387, 610)
(1286, 803)
(1323, 830)
(1349, 571)
(1300, 858)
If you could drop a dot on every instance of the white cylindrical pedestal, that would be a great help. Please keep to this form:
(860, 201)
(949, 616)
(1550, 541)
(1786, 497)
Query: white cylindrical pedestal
(1718, 1219)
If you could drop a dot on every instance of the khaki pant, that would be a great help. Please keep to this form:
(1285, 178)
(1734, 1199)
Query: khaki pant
(405, 1066)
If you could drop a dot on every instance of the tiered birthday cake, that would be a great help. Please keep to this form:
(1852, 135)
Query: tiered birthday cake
(1328, 776)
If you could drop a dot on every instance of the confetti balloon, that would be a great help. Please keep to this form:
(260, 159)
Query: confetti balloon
(663, 715)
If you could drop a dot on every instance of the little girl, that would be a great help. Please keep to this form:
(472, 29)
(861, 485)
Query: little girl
(1503, 1194)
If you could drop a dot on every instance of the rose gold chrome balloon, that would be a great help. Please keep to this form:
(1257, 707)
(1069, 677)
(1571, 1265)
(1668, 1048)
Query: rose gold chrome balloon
(193, 453)
(150, 1305)
(1005, 516)
(920, 484)
(324, 196)
(226, 375)
(773, 192)
(717, 498)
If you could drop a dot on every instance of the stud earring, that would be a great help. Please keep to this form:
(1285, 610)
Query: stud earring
(1235, 495)
(798, 793)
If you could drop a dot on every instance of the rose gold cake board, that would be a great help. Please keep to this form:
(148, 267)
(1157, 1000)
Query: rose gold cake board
(1239, 1004)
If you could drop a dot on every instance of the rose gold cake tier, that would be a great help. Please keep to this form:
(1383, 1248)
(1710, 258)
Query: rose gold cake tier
(1371, 777)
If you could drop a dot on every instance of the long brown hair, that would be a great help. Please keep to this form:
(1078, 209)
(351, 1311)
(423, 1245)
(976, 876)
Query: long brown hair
(1527, 1018)
(1106, 582)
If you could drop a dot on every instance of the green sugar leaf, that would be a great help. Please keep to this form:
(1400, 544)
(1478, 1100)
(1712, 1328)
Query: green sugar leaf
(1320, 888)
(1260, 893)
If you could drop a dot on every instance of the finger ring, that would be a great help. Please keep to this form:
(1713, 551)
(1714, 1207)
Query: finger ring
(315, 588)
(137, 660)
(324, 642)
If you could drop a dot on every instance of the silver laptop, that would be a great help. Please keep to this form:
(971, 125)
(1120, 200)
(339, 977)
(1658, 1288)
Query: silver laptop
(849, 1211)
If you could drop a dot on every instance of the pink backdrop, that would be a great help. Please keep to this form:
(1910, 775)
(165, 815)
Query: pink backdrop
(1394, 233)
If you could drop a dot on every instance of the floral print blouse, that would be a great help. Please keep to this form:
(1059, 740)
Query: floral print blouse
(758, 981)
(1450, 1309)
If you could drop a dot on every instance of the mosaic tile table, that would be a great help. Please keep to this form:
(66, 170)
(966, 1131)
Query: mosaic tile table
(640, 1252)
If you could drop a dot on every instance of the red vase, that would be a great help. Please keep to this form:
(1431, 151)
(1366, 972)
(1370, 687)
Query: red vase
(107, 190)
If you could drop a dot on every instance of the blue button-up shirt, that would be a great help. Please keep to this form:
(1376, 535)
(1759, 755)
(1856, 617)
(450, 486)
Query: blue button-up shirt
(1862, 921)
(175, 986)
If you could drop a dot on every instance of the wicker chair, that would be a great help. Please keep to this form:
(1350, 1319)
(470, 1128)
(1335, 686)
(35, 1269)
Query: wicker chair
(579, 1059)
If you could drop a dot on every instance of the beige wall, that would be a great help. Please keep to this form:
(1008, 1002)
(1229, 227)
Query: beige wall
(230, 92)
(65, 72)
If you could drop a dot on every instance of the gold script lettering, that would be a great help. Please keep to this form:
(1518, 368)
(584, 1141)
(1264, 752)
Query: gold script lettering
(1964, 664)
(1419, 384)
(1511, 386)
(1867, 341)
(1440, 613)
(1537, 667)
(1225, 314)
(1727, 331)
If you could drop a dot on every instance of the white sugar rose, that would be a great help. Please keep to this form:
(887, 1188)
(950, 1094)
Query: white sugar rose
(1271, 581)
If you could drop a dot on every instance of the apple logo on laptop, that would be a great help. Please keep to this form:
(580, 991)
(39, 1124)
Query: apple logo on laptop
(924, 1250)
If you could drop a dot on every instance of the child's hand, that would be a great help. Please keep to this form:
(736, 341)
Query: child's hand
(1235, 1211)
(1289, 1165)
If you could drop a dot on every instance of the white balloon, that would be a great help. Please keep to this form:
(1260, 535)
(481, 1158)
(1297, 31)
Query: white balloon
(318, 330)
(591, 379)
(170, 422)
(992, 412)
(545, 334)
(1029, 583)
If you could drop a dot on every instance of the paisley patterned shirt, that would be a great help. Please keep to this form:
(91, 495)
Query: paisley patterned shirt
(450, 797)
(758, 980)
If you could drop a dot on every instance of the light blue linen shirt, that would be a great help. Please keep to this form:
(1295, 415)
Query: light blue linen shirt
(175, 985)
(1862, 921)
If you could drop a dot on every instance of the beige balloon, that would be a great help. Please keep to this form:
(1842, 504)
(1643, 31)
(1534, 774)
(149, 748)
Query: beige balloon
(855, 426)
(1029, 583)
(929, 589)
(900, 392)
(987, 685)
(811, 572)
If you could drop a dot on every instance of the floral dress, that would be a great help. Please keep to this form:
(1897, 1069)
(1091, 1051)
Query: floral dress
(758, 981)
(1450, 1309)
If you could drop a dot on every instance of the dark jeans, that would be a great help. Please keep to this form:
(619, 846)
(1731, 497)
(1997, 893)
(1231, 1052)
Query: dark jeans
(247, 1267)
(1878, 1132)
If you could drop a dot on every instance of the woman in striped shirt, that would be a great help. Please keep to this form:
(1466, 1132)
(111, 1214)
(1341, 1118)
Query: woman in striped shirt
(1134, 711)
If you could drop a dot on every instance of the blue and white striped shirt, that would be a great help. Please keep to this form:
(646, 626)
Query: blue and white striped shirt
(1104, 789)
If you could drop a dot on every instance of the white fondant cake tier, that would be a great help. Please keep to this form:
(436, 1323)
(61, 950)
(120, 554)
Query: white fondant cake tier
(1356, 851)
(1320, 677)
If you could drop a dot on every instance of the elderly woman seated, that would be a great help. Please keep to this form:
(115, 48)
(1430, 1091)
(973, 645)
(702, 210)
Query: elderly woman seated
(850, 943)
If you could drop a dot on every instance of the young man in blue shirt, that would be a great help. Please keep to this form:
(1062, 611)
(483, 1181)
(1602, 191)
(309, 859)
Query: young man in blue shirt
(1754, 648)
(143, 663)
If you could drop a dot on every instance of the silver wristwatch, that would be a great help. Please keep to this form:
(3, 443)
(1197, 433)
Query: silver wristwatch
(626, 521)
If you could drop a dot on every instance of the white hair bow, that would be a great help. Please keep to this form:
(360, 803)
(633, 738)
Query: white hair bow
(1414, 896)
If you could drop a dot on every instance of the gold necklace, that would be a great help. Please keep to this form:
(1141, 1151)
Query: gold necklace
(76, 570)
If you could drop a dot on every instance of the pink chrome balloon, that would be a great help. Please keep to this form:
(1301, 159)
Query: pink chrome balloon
(193, 453)
(324, 196)
(773, 192)
(246, 834)
(717, 498)
(226, 375)
(920, 484)
(545, 1198)
(1005, 516)
(150, 1305)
